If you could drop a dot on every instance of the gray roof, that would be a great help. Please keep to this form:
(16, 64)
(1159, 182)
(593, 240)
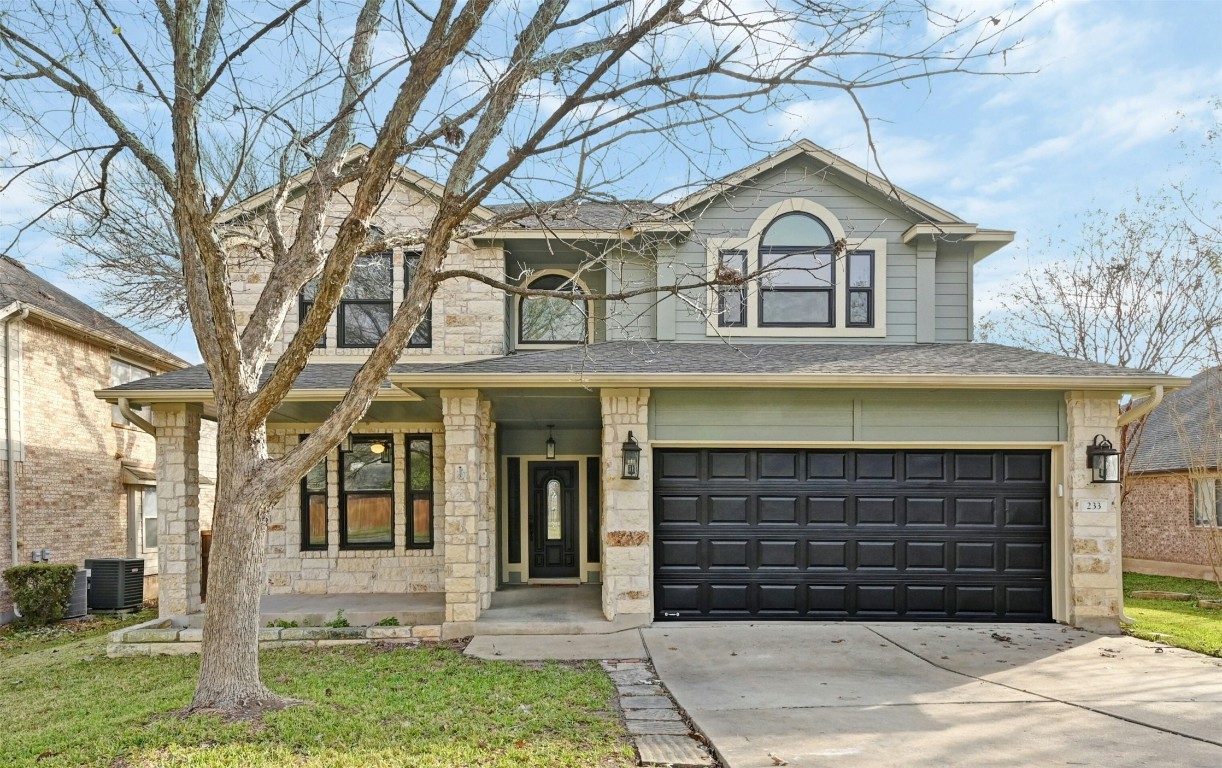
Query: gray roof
(714, 358)
(619, 214)
(1185, 431)
(18, 284)
(629, 357)
(315, 376)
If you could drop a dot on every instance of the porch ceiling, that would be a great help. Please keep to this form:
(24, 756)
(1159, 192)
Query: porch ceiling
(427, 411)
(536, 408)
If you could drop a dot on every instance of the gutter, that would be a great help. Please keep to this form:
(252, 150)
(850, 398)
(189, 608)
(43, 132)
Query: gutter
(1137, 412)
(10, 459)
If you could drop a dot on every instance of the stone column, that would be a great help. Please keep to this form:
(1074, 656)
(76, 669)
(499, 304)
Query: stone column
(469, 506)
(178, 551)
(1095, 575)
(627, 526)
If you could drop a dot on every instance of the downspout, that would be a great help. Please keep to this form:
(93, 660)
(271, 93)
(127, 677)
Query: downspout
(1128, 417)
(135, 418)
(10, 458)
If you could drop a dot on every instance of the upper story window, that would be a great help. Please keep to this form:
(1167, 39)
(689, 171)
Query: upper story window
(123, 372)
(797, 282)
(809, 278)
(367, 304)
(551, 319)
(423, 336)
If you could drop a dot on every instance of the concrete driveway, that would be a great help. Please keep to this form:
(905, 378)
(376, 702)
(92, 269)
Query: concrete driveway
(940, 695)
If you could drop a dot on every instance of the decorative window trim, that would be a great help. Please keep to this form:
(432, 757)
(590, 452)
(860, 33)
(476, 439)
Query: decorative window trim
(839, 327)
(517, 312)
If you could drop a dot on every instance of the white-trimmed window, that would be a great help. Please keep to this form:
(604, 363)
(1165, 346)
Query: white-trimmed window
(809, 278)
(551, 320)
(123, 372)
(1207, 502)
(142, 519)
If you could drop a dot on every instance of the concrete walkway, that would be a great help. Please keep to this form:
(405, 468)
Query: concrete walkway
(940, 695)
(616, 645)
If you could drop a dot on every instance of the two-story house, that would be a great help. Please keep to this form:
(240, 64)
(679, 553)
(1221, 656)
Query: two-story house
(77, 476)
(824, 443)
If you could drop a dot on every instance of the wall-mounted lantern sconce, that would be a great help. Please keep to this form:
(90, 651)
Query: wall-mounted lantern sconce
(551, 443)
(1104, 461)
(632, 459)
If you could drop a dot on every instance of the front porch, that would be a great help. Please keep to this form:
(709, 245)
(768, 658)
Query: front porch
(448, 538)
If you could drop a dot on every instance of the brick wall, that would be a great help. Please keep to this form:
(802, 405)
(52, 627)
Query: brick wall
(71, 496)
(1157, 519)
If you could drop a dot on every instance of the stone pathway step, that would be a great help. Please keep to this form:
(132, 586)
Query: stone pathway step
(661, 735)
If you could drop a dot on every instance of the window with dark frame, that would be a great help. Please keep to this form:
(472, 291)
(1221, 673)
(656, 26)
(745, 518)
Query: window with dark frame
(798, 286)
(551, 319)
(366, 306)
(314, 507)
(366, 493)
(732, 299)
(860, 289)
(422, 338)
(419, 492)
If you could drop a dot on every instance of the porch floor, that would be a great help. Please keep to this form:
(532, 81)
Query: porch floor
(547, 610)
(360, 609)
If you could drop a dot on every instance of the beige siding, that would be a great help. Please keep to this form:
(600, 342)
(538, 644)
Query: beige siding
(953, 309)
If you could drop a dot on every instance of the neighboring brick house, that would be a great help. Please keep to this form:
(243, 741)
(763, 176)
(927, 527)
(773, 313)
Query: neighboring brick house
(85, 476)
(828, 443)
(1173, 493)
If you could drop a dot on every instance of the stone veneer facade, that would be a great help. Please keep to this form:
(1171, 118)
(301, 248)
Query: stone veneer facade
(627, 536)
(178, 486)
(470, 522)
(290, 569)
(1094, 563)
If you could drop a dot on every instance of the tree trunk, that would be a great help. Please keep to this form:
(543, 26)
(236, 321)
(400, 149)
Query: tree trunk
(229, 678)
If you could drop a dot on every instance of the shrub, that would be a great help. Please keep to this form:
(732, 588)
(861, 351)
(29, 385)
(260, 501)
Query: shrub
(282, 624)
(41, 590)
(389, 621)
(338, 621)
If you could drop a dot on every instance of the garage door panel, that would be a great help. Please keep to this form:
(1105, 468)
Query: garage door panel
(729, 510)
(840, 534)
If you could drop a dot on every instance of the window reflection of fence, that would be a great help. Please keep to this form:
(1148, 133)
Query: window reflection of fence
(370, 519)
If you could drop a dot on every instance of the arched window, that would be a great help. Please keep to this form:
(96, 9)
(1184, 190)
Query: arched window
(798, 286)
(551, 319)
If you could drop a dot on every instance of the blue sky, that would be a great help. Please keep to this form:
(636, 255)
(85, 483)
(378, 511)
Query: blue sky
(1116, 89)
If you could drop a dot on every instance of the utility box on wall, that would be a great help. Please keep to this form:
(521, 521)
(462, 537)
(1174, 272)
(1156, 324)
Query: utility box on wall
(115, 584)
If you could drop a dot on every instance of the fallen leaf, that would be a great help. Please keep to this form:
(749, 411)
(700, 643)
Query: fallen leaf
(1002, 638)
(776, 760)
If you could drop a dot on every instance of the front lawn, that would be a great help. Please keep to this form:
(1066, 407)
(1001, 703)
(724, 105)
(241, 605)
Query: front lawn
(1175, 622)
(68, 705)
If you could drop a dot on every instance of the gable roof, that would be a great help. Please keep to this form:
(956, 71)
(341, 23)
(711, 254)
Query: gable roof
(19, 285)
(1185, 430)
(405, 176)
(833, 161)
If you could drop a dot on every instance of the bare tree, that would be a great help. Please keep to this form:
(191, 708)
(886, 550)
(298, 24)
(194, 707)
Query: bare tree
(1139, 290)
(546, 102)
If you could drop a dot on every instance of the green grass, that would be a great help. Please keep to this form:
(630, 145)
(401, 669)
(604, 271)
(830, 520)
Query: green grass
(68, 705)
(1175, 622)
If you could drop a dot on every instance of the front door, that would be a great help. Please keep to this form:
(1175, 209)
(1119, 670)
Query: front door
(553, 519)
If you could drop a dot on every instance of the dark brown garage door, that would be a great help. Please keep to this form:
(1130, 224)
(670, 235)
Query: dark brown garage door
(797, 534)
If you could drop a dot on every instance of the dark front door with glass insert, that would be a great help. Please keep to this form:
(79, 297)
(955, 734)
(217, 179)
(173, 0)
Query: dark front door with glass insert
(553, 519)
